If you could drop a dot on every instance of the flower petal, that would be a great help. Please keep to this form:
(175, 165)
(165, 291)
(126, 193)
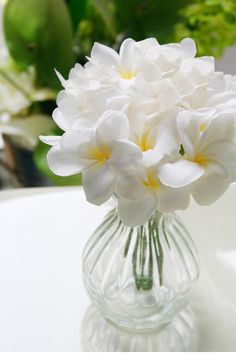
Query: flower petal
(189, 47)
(188, 131)
(63, 163)
(180, 173)
(137, 212)
(129, 184)
(73, 139)
(171, 199)
(50, 140)
(223, 152)
(61, 120)
(101, 54)
(212, 185)
(98, 183)
(220, 128)
(124, 154)
(111, 126)
(127, 54)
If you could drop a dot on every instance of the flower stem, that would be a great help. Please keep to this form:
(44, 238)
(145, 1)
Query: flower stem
(147, 248)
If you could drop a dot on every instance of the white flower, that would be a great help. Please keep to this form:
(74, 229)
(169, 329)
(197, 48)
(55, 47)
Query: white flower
(141, 193)
(122, 66)
(86, 108)
(150, 124)
(99, 153)
(25, 131)
(208, 165)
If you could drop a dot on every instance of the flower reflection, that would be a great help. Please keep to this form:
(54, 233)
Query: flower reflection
(100, 336)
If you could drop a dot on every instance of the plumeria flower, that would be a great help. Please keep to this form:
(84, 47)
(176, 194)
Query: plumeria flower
(157, 134)
(151, 124)
(165, 60)
(215, 92)
(206, 162)
(141, 192)
(86, 107)
(123, 66)
(99, 153)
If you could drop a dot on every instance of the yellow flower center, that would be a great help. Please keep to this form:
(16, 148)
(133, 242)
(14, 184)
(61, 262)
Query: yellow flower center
(144, 142)
(100, 156)
(202, 127)
(127, 75)
(200, 159)
(151, 182)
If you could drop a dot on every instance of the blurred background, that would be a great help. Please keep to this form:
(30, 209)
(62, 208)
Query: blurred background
(37, 36)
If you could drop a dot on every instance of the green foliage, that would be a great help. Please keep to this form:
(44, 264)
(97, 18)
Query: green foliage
(40, 159)
(39, 33)
(98, 25)
(78, 10)
(148, 18)
(211, 23)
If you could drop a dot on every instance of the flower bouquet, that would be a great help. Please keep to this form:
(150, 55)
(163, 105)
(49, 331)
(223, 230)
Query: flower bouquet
(150, 126)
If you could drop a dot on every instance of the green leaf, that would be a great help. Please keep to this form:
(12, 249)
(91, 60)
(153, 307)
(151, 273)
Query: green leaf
(40, 159)
(39, 33)
(106, 10)
(211, 23)
(77, 9)
(146, 18)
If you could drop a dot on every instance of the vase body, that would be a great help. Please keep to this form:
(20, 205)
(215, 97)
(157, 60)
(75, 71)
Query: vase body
(98, 335)
(140, 277)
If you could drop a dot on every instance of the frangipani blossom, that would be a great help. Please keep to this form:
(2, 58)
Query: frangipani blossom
(149, 124)
(141, 192)
(122, 66)
(207, 164)
(99, 153)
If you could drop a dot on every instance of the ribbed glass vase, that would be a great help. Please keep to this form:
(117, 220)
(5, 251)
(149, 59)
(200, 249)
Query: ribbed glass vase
(140, 277)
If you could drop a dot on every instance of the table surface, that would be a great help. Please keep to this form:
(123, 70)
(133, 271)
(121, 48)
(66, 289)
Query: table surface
(42, 298)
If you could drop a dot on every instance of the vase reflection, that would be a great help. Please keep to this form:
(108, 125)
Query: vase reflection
(100, 336)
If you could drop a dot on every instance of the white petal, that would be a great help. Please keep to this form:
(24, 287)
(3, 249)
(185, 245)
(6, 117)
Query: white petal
(50, 140)
(127, 54)
(166, 140)
(117, 102)
(124, 154)
(147, 43)
(152, 158)
(61, 78)
(64, 163)
(137, 212)
(220, 128)
(73, 139)
(98, 183)
(112, 126)
(171, 199)
(180, 173)
(188, 130)
(212, 185)
(166, 93)
(221, 97)
(129, 184)
(223, 152)
(189, 47)
(102, 54)
(61, 120)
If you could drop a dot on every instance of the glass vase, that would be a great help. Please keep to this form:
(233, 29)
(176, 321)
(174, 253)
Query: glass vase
(140, 277)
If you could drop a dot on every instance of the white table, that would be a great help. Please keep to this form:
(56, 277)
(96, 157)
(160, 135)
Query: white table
(42, 298)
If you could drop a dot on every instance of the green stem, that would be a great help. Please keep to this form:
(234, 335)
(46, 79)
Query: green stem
(145, 245)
